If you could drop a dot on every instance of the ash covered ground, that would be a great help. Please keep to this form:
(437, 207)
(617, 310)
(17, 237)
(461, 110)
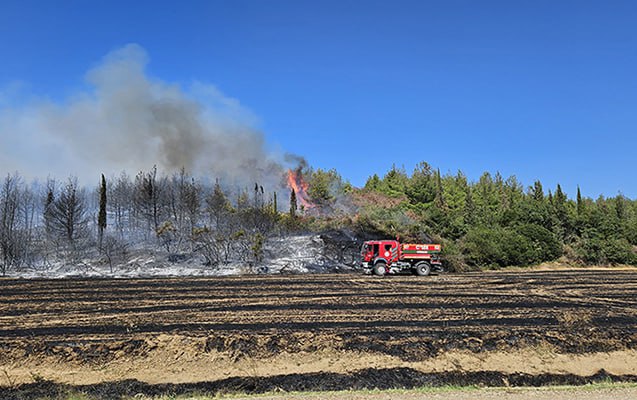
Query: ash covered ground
(334, 251)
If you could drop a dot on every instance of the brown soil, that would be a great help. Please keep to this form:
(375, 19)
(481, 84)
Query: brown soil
(316, 332)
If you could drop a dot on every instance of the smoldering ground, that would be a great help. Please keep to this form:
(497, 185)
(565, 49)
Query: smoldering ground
(126, 120)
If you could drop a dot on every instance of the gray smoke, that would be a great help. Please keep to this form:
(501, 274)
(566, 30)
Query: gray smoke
(125, 120)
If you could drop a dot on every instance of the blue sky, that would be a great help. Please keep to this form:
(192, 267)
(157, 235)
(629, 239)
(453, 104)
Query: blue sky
(538, 89)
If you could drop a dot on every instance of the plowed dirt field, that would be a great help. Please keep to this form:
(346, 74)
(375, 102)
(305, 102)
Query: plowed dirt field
(257, 333)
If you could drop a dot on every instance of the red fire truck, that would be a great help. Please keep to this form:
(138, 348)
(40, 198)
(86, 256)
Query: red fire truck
(382, 257)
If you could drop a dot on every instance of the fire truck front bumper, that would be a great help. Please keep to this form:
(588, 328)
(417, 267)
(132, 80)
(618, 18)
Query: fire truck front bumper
(367, 268)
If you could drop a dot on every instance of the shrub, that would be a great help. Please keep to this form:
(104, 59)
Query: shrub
(500, 247)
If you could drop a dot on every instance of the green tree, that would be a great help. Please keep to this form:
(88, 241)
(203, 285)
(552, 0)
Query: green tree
(394, 182)
(275, 206)
(373, 183)
(469, 214)
(324, 186)
(561, 213)
(538, 192)
(439, 200)
(486, 199)
(420, 188)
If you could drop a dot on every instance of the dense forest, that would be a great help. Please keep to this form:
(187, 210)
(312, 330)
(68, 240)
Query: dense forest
(491, 223)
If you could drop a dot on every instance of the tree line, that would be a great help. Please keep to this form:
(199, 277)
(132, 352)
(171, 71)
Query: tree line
(496, 222)
(490, 223)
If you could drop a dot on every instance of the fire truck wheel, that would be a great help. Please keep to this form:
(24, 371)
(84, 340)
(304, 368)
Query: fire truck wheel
(380, 268)
(423, 268)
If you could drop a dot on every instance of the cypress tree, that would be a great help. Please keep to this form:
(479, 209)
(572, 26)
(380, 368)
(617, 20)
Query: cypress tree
(101, 216)
(561, 213)
(293, 205)
(276, 206)
(560, 197)
(48, 207)
(580, 204)
(262, 197)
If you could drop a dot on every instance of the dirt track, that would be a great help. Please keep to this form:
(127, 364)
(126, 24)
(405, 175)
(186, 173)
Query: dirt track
(193, 329)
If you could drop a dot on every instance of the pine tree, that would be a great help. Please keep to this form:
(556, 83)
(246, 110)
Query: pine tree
(538, 192)
(68, 213)
(243, 200)
(373, 183)
(149, 197)
(620, 208)
(439, 200)
(469, 209)
(101, 216)
(218, 205)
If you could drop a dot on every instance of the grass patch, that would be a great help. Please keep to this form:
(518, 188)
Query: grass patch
(372, 392)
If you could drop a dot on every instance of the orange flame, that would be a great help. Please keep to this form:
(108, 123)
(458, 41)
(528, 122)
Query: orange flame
(298, 184)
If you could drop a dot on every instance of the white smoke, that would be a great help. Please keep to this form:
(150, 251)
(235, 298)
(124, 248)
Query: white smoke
(125, 120)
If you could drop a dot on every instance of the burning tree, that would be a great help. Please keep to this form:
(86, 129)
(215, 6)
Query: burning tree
(299, 187)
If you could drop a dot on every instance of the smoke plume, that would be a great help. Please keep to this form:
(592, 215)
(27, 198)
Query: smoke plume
(125, 120)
